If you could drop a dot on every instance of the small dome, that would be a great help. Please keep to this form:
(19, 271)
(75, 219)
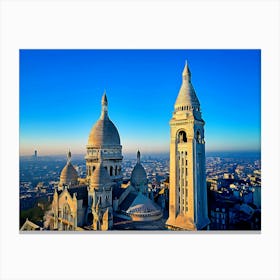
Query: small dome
(142, 204)
(144, 209)
(104, 132)
(100, 176)
(69, 175)
(138, 175)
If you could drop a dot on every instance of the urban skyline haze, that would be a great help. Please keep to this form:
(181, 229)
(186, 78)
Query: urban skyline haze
(61, 90)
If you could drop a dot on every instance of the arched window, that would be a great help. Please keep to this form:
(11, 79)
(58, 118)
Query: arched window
(66, 212)
(198, 137)
(182, 137)
(116, 170)
(111, 170)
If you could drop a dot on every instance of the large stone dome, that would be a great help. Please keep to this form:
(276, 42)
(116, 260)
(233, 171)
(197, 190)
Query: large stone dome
(138, 175)
(104, 132)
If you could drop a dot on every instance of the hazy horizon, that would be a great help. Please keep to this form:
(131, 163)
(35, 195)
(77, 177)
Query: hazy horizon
(146, 154)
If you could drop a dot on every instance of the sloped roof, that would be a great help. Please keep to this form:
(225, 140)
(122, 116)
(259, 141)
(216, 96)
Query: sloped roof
(81, 193)
(28, 225)
(128, 201)
(142, 204)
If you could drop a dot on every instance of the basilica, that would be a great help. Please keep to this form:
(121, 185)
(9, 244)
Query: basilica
(102, 198)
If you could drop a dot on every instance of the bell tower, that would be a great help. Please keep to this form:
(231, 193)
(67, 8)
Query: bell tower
(187, 192)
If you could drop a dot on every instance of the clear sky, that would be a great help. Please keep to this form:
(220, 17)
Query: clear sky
(61, 90)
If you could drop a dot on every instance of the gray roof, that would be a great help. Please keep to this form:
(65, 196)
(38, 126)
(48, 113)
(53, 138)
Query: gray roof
(81, 193)
(138, 175)
(118, 191)
(128, 201)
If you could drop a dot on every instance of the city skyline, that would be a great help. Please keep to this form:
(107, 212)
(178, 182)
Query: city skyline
(60, 93)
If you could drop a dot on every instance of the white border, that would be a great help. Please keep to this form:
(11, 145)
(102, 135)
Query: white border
(154, 24)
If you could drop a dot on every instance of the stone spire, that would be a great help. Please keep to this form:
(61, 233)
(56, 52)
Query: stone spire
(187, 99)
(138, 157)
(104, 103)
(186, 73)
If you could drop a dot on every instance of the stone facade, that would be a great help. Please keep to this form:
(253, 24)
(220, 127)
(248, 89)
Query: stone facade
(188, 192)
(104, 139)
(64, 208)
(100, 202)
(92, 205)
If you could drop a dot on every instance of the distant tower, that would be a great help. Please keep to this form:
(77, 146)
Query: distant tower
(188, 192)
(35, 154)
(104, 140)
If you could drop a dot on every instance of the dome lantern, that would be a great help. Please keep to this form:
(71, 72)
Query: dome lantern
(104, 106)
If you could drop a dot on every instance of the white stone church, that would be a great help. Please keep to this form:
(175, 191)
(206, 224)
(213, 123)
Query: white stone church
(92, 203)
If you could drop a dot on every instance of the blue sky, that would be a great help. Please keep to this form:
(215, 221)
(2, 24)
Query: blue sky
(60, 93)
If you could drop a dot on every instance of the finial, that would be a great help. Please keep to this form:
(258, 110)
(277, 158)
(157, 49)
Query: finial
(138, 156)
(186, 72)
(104, 104)
(104, 100)
(69, 156)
